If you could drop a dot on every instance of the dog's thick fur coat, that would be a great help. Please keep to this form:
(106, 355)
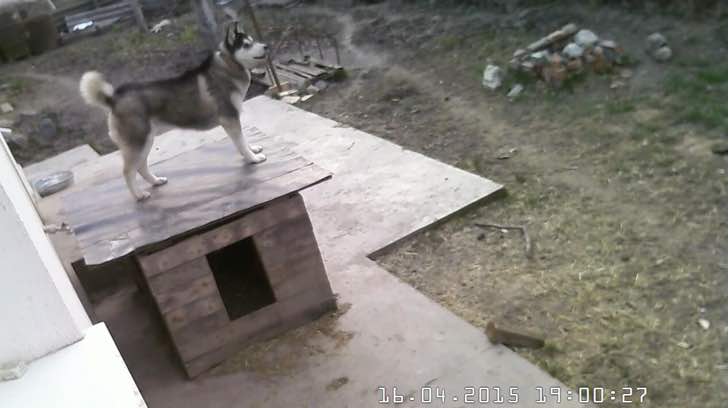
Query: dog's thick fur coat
(209, 95)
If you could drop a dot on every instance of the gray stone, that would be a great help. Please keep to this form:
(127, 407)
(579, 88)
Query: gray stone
(573, 51)
(586, 38)
(662, 54)
(655, 41)
(5, 107)
(47, 130)
(492, 77)
(532, 61)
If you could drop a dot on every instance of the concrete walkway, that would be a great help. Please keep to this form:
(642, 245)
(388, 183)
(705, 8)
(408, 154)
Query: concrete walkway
(386, 334)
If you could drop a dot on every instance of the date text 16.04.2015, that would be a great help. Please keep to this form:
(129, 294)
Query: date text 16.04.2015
(512, 395)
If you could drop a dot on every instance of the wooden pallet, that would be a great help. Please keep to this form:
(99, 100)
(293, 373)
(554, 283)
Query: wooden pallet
(70, 7)
(301, 74)
(101, 16)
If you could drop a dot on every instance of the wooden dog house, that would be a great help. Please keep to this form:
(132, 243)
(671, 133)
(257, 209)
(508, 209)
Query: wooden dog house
(247, 279)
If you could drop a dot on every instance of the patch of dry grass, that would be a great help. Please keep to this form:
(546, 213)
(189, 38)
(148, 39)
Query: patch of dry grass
(282, 355)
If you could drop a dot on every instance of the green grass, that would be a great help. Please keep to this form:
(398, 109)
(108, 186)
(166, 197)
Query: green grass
(713, 75)
(697, 96)
(619, 106)
(189, 35)
(15, 86)
(450, 41)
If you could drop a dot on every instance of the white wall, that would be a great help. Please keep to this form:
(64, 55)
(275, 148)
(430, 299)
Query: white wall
(39, 310)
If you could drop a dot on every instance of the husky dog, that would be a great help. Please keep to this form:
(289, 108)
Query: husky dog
(209, 95)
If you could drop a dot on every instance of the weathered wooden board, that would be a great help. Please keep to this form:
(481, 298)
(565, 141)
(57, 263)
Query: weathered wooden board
(291, 258)
(278, 211)
(207, 185)
(304, 308)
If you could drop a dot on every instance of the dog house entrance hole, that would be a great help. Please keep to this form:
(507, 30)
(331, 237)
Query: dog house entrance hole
(240, 278)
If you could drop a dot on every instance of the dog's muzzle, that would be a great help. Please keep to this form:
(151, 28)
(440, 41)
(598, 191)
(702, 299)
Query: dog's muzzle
(265, 52)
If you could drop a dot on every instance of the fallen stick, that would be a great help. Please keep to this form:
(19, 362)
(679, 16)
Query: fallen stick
(509, 338)
(522, 228)
(558, 35)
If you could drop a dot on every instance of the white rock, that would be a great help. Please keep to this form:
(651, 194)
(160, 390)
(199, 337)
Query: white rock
(704, 323)
(573, 51)
(82, 26)
(291, 99)
(492, 77)
(160, 25)
(6, 107)
(515, 91)
(608, 44)
(656, 41)
(540, 55)
(12, 371)
(662, 54)
(586, 38)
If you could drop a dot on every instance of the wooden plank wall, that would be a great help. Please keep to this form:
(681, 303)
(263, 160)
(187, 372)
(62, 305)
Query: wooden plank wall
(184, 289)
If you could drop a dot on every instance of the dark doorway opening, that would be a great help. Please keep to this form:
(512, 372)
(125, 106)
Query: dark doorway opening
(240, 278)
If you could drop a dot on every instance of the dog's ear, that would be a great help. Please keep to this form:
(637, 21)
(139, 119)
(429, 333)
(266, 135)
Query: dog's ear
(239, 29)
(230, 33)
(232, 13)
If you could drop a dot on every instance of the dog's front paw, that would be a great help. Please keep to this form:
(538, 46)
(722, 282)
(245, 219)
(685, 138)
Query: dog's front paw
(256, 148)
(160, 181)
(257, 158)
(143, 196)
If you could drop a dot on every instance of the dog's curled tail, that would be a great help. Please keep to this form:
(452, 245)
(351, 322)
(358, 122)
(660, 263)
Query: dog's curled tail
(95, 90)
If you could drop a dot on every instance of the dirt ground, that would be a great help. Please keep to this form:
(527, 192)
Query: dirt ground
(618, 189)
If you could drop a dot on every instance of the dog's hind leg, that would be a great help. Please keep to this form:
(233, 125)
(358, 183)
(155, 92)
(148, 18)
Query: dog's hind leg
(149, 176)
(235, 132)
(130, 171)
(237, 100)
(131, 134)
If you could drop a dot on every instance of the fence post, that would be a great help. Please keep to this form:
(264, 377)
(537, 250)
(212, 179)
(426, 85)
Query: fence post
(207, 22)
(138, 15)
